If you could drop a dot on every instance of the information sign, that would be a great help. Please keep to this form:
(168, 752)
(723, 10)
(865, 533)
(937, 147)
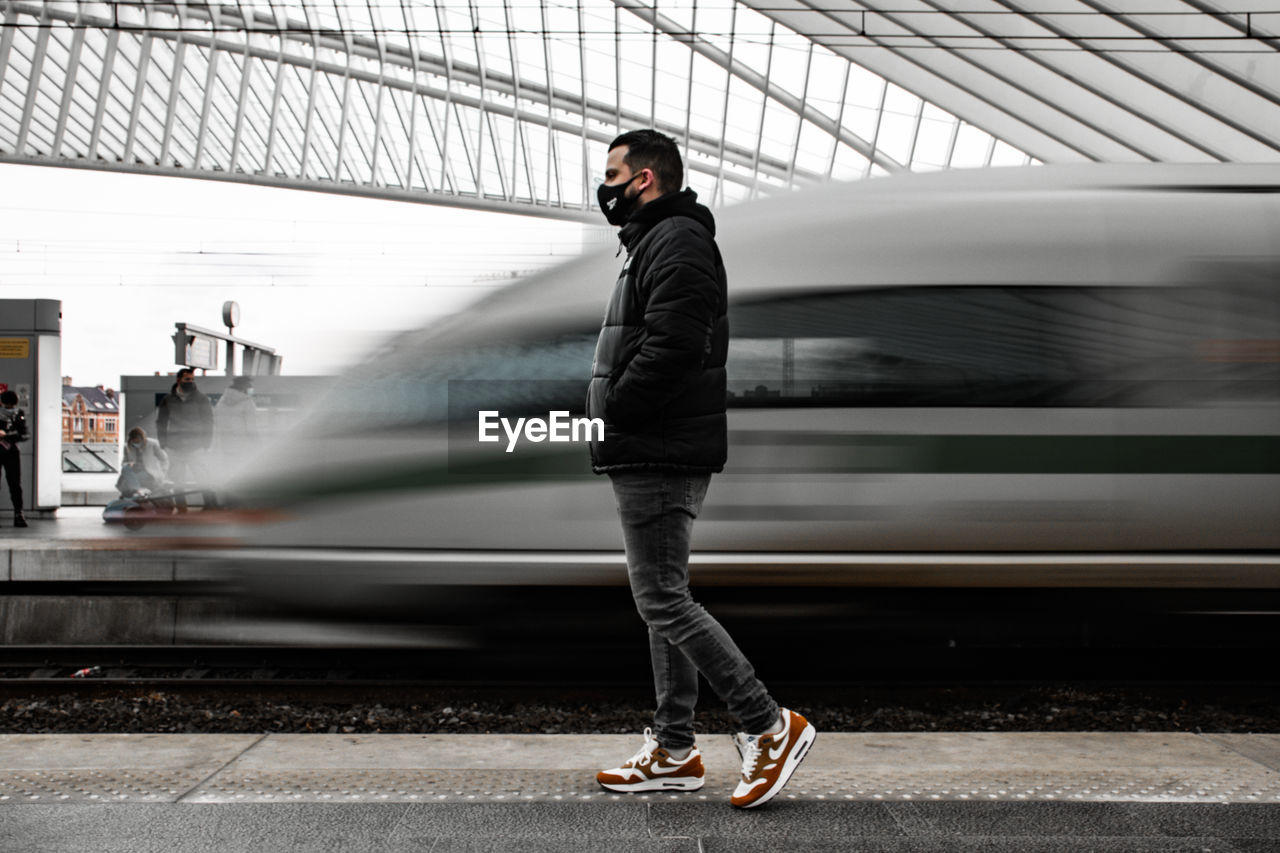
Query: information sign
(15, 348)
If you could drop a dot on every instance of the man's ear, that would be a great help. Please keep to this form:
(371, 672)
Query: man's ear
(652, 180)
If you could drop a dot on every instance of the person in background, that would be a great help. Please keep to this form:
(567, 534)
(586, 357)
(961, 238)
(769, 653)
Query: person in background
(235, 420)
(146, 465)
(184, 424)
(13, 431)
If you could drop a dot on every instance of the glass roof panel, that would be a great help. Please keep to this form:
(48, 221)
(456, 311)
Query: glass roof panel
(933, 142)
(971, 147)
(452, 97)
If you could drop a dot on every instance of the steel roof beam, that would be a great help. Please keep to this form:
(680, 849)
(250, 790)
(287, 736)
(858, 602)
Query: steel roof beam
(918, 120)
(237, 133)
(764, 109)
(835, 140)
(309, 122)
(448, 178)
(412, 127)
(553, 162)
(6, 37)
(582, 66)
(552, 98)
(1150, 80)
(33, 84)
(274, 113)
(465, 139)
(1208, 9)
(139, 93)
(342, 123)
(753, 79)
(517, 142)
(875, 135)
(451, 199)
(210, 81)
(68, 89)
(482, 122)
(961, 98)
(1001, 78)
(171, 105)
(688, 96)
(804, 100)
(104, 88)
(724, 114)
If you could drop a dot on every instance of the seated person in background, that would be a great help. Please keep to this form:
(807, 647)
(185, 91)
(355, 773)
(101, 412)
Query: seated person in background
(146, 466)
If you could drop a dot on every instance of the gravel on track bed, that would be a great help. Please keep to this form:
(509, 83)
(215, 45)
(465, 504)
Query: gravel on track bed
(610, 711)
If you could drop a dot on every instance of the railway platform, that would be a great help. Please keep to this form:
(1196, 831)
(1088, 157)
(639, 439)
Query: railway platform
(58, 557)
(871, 791)
(77, 545)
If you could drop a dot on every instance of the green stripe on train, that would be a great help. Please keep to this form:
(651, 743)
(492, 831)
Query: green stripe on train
(1055, 454)
(835, 453)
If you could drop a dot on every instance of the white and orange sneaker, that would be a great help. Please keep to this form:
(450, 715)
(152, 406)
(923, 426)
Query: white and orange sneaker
(653, 769)
(769, 760)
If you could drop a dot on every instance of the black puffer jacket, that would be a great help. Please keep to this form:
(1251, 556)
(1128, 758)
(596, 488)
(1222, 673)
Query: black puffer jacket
(658, 379)
(185, 424)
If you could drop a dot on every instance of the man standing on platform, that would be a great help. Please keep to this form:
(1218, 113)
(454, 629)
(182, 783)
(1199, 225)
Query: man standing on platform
(658, 382)
(184, 425)
(13, 430)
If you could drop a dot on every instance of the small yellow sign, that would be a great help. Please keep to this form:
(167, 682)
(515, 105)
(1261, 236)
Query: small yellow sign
(15, 348)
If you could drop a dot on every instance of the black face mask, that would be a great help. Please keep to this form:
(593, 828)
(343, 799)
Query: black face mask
(614, 204)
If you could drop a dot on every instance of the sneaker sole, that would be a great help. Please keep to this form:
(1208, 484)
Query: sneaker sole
(684, 783)
(803, 743)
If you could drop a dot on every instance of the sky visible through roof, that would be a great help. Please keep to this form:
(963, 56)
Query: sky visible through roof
(323, 277)
(319, 277)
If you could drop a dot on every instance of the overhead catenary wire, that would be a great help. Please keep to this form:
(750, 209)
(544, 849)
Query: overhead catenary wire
(1135, 44)
(360, 6)
(1244, 21)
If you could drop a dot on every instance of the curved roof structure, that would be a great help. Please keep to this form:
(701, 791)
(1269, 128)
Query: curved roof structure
(507, 104)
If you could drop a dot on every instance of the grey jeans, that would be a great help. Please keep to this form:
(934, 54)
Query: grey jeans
(657, 509)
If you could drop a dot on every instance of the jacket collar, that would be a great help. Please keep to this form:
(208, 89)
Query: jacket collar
(680, 203)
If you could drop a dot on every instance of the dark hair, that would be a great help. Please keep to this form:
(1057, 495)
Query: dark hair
(137, 432)
(9, 398)
(649, 149)
(183, 370)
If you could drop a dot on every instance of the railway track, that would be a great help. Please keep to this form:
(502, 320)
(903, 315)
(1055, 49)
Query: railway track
(85, 669)
(171, 633)
(119, 705)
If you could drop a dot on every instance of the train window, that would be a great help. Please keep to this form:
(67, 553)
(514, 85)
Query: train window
(1196, 344)
(412, 382)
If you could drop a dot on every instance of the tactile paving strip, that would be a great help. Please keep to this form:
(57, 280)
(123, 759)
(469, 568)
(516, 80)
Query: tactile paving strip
(105, 786)
(534, 786)
(1164, 786)
(419, 786)
(35, 786)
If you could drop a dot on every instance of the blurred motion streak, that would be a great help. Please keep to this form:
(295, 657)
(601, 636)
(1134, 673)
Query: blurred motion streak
(1078, 361)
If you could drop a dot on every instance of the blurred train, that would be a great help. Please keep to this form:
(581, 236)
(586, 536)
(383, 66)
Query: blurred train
(1062, 376)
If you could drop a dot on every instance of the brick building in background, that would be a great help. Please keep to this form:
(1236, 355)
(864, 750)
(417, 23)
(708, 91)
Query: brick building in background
(90, 415)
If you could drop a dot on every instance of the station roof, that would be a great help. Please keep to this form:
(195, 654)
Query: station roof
(509, 105)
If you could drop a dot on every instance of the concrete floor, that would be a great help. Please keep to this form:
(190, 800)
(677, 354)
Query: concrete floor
(903, 792)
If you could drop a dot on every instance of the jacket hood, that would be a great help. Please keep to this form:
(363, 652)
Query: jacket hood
(681, 203)
(234, 397)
